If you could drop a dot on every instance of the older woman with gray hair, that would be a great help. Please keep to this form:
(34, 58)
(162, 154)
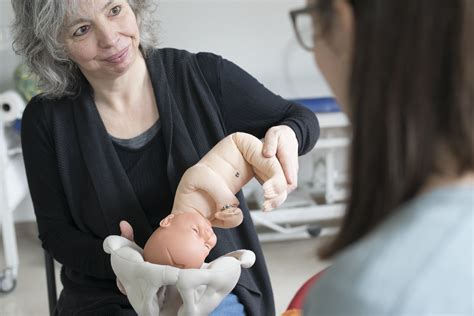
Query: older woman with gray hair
(117, 124)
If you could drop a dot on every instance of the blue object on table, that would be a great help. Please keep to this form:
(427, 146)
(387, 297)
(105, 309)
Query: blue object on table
(17, 125)
(320, 105)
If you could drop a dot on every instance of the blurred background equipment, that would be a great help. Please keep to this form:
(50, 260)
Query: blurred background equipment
(318, 203)
(13, 186)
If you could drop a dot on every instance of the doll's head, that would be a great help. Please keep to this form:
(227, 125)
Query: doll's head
(183, 240)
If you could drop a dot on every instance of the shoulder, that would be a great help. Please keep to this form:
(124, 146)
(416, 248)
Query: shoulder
(179, 57)
(409, 256)
(41, 110)
(36, 109)
(35, 123)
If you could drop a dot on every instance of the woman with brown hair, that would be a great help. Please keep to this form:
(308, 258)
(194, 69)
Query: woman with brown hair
(403, 71)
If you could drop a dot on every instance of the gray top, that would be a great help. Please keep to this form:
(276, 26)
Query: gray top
(139, 141)
(419, 262)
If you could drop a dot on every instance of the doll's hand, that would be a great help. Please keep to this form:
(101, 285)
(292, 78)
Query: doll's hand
(281, 141)
(126, 231)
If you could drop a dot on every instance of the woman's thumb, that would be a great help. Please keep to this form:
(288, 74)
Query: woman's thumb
(126, 230)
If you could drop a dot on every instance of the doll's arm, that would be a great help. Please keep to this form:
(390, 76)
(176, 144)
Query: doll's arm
(200, 177)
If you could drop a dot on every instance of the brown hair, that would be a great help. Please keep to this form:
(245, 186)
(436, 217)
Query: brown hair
(411, 88)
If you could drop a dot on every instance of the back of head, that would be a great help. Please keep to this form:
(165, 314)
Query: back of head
(411, 100)
(156, 249)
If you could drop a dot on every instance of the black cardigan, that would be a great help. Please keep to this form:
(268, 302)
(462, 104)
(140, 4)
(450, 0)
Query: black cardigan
(80, 191)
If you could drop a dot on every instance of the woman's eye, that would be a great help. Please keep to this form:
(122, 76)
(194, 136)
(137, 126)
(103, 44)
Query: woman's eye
(82, 30)
(116, 10)
(195, 229)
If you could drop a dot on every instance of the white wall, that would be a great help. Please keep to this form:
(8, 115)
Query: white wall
(255, 34)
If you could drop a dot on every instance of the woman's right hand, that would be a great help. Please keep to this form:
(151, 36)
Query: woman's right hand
(126, 231)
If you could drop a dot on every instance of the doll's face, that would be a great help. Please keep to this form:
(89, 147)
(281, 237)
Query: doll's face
(183, 240)
(192, 238)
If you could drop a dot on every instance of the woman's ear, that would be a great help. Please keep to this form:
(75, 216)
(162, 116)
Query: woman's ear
(165, 222)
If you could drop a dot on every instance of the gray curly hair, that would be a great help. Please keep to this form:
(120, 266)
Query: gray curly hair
(36, 36)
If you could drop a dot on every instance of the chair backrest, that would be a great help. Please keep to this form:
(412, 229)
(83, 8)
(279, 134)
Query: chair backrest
(298, 300)
(51, 282)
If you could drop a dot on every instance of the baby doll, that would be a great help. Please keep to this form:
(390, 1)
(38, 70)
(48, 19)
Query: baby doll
(205, 197)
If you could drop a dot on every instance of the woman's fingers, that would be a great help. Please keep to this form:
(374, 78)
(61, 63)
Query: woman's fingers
(126, 230)
(289, 164)
(281, 141)
(270, 143)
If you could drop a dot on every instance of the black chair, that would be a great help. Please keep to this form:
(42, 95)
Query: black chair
(51, 282)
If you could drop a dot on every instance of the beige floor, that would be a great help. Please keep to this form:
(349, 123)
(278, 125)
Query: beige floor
(289, 263)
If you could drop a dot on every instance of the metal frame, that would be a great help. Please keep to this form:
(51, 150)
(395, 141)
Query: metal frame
(294, 16)
(50, 282)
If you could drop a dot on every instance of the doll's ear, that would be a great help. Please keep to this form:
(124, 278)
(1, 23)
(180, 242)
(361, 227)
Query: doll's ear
(165, 222)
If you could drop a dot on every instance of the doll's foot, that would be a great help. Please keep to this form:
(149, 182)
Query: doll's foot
(228, 207)
(227, 217)
(228, 211)
(274, 195)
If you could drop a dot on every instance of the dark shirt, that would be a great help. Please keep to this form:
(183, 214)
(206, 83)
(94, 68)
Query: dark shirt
(144, 161)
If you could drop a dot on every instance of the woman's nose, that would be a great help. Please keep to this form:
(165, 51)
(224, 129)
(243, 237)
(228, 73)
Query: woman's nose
(107, 36)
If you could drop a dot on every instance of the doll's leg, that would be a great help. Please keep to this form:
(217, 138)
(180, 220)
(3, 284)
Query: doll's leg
(274, 193)
(266, 169)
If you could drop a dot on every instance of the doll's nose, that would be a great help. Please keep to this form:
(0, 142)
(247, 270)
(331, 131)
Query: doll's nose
(213, 239)
(207, 234)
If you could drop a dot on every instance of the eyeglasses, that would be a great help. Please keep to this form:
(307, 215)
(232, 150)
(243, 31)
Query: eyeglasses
(303, 24)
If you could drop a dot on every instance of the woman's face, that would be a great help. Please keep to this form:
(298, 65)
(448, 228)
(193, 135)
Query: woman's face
(102, 37)
(333, 50)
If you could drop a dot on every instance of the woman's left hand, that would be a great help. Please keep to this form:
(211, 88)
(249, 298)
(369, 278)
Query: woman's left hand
(281, 141)
(126, 231)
